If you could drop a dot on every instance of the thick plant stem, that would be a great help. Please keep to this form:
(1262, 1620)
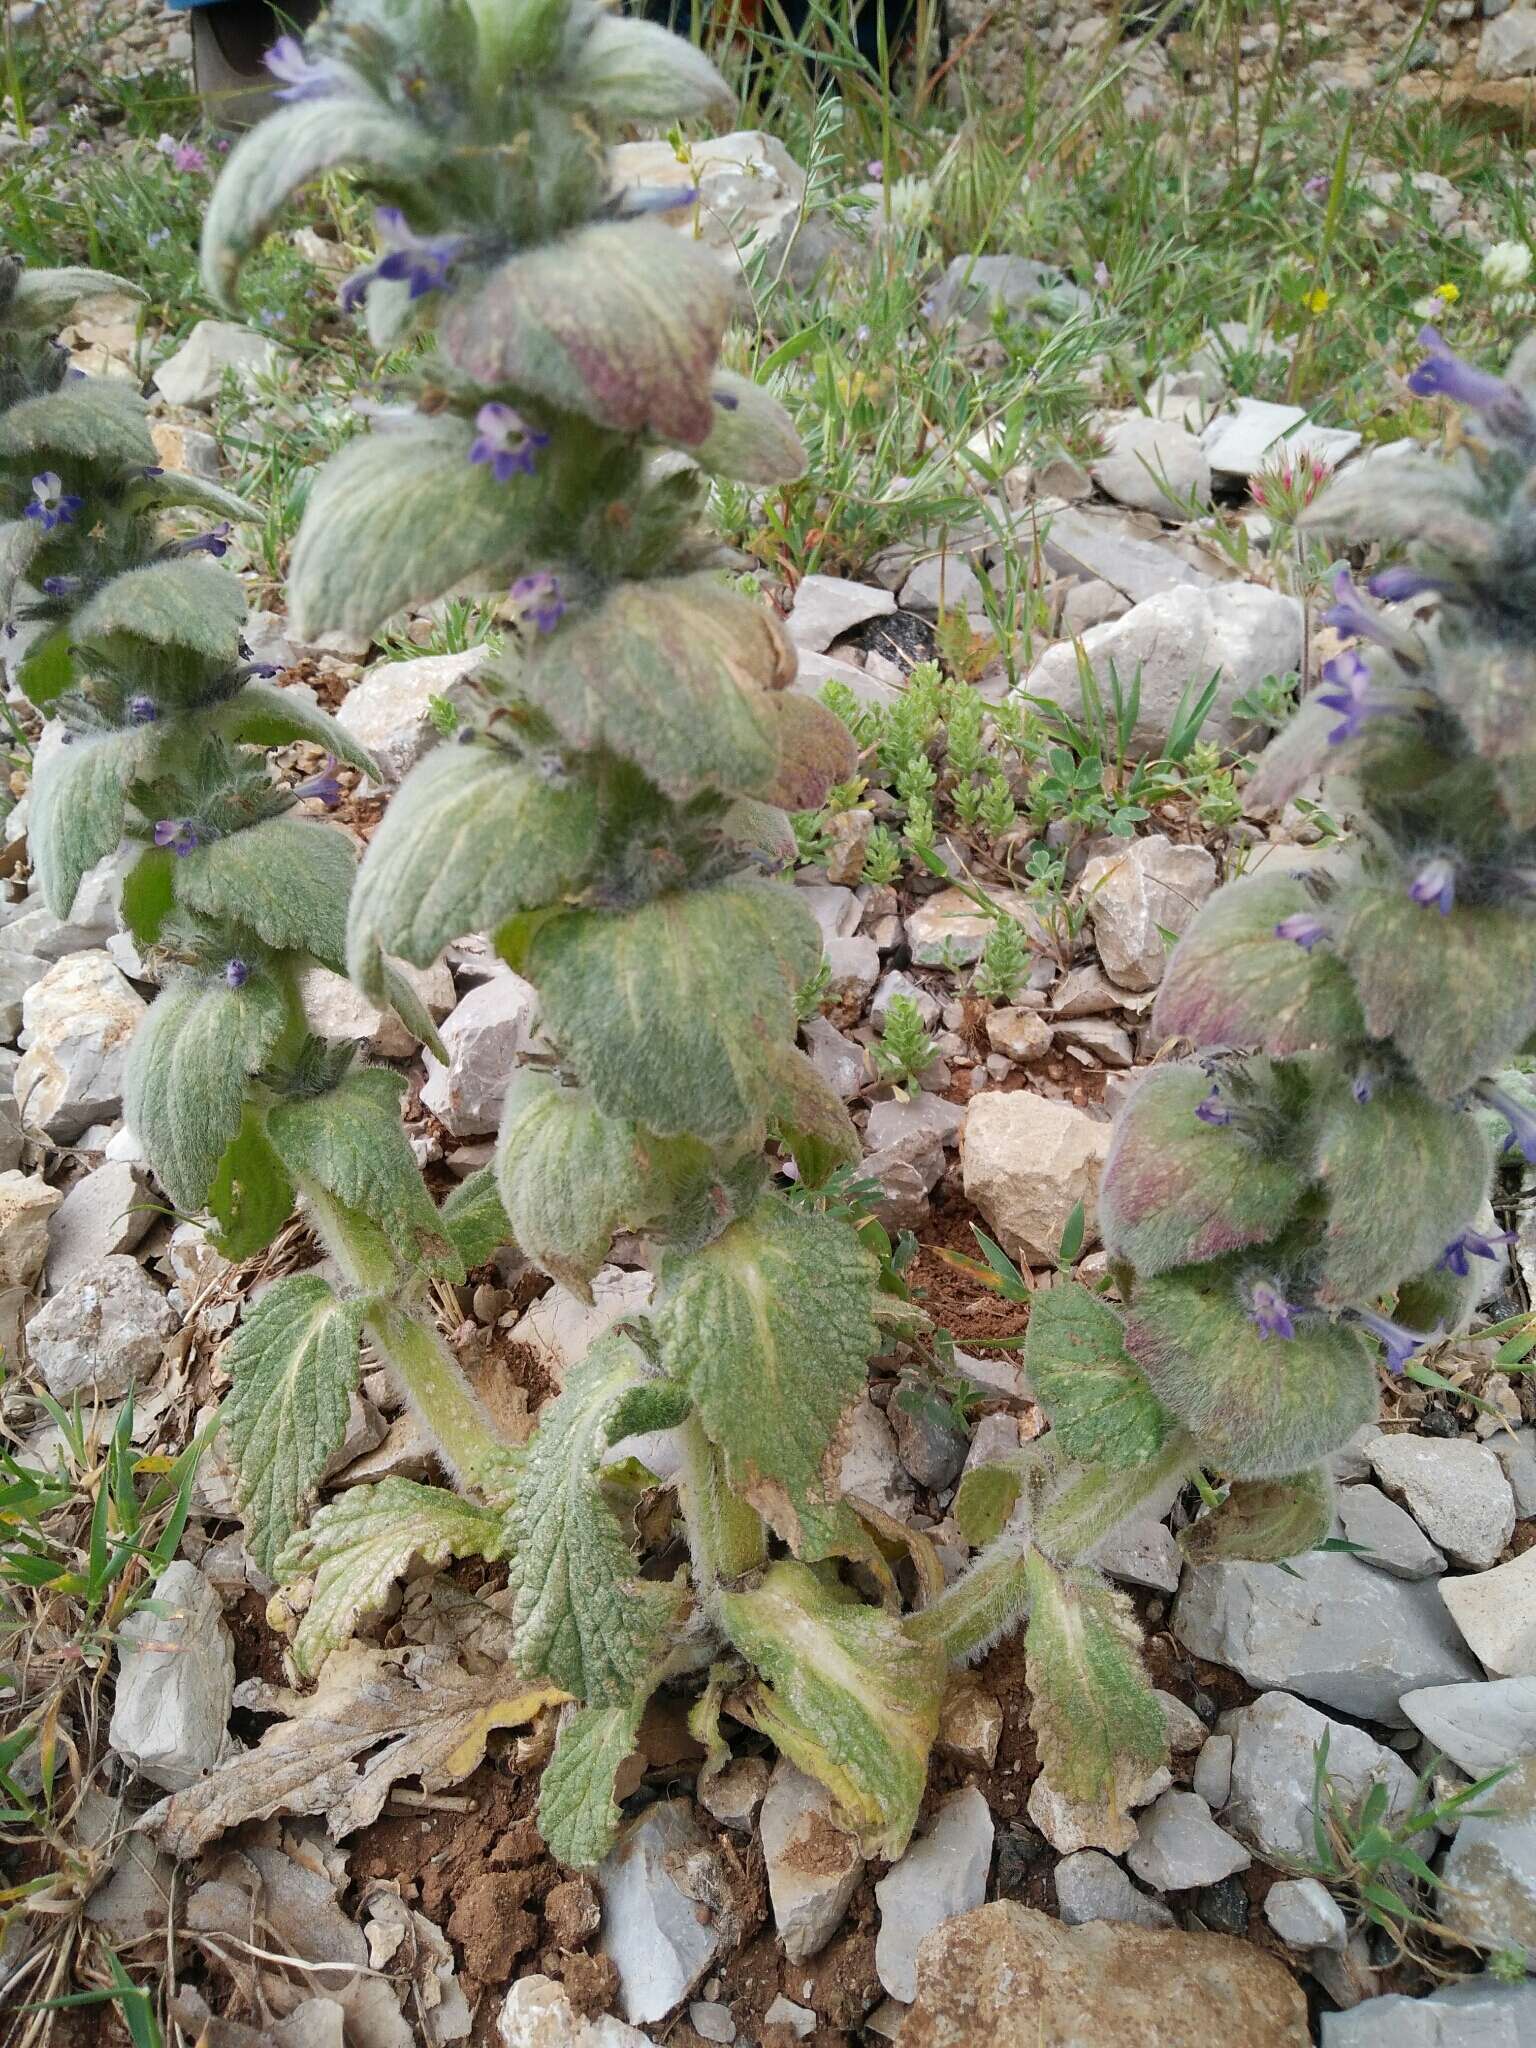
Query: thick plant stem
(983, 1604)
(1099, 1498)
(421, 1362)
(726, 1534)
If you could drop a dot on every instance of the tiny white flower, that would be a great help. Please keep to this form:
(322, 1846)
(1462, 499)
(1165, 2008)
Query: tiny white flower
(1507, 265)
(911, 202)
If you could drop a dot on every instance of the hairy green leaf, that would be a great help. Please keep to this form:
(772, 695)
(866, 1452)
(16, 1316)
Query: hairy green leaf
(286, 879)
(674, 676)
(846, 1695)
(471, 836)
(667, 1012)
(293, 1362)
(350, 1141)
(148, 894)
(263, 716)
(398, 519)
(289, 148)
(753, 439)
(1491, 686)
(583, 1616)
(1258, 1406)
(770, 1328)
(44, 299)
(652, 1405)
(187, 1070)
(1097, 1398)
(626, 71)
(474, 1219)
(986, 1498)
(809, 1116)
(1456, 994)
(1177, 1191)
(79, 800)
(20, 540)
(173, 487)
(1266, 1520)
(189, 611)
(251, 1196)
(1230, 981)
(96, 423)
(621, 321)
(1404, 1177)
(47, 669)
(578, 1814)
(361, 1543)
(1097, 1721)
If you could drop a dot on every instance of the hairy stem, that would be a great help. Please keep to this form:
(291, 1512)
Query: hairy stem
(726, 1534)
(1095, 1503)
(983, 1604)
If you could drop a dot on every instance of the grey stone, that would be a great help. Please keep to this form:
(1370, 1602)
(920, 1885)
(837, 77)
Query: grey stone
(840, 1063)
(751, 212)
(105, 1331)
(194, 375)
(26, 1205)
(666, 1909)
(1239, 632)
(537, 2013)
(835, 908)
(1481, 1727)
(1455, 1489)
(974, 287)
(898, 984)
(817, 670)
(870, 1468)
(1028, 1161)
(827, 607)
(485, 1037)
(1073, 1824)
(1495, 1613)
(799, 2019)
(1135, 895)
(1392, 1540)
(711, 2021)
(931, 1445)
(1274, 1769)
(1490, 1868)
(1329, 1628)
(107, 1211)
(813, 1866)
(848, 836)
(1178, 1846)
(1475, 2014)
(1106, 1044)
(945, 582)
(1305, 1914)
(335, 1009)
(1517, 1454)
(921, 1118)
(1104, 547)
(1508, 45)
(1239, 441)
(1091, 601)
(943, 1873)
(1092, 1886)
(1212, 1777)
(560, 1329)
(951, 928)
(734, 1793)
(1142, 1552)
(175, 1682)
(19, 970)
(78, 1023)
(853, 967)
(390, 710)
(1085, 992)
(1145, 455)
(1019, 1035)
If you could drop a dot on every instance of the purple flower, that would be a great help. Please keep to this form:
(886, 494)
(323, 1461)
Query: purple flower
(1362, 1088)
(259, 670)
(1399, 1343)
(236, 973)
(1349, 693)
(61, 586)
(1443, 374)
(538, 599)
(214, 542)
(421, 261)
(1521, 1121)
(184, 156)
(179, 834)
(1434, 886)
(324, 786)
(1302, 928)
(1394, 586)
(642, 199)
(1349, 614)
(506, 441)
(156, 236)
(50, 502)
(143, 711)
(298, 76)
(1213, 1110)
(1472, 1244)
(874, 170)
(726, 400)
(1317, 184)
(1270, 1310)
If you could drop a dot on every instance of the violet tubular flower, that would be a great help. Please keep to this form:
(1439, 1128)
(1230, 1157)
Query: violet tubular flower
(1214, 1111)
(538, 600)
(1434, 886)
(143, 711)
(420, 261)
(1362, 1088)
(1443, 374)
(1349, 692)
(1399, 1343)
(1472, 1244)
(299, 77)
(324, 787)
(1303, 928)
(1521, 1120)
(1270, 1311)
(179, 834)
(1399, 583)
(236, 973)
(50, 503)
(506, 442)
(215, 542)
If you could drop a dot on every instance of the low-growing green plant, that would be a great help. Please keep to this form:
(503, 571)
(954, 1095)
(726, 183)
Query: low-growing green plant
(904, 1050)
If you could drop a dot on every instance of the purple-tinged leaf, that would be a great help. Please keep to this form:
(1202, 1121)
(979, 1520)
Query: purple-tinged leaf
(1231, 981)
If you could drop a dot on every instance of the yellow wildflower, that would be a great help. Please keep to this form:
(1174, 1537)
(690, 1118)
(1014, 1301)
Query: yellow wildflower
(1318, 301)
(1450, 293)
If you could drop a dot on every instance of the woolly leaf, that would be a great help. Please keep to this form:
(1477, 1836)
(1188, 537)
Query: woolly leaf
(474, 1219)
(251, 1196)
(297, 143)
(1177, 1191)
(1265, 1520)
(671, 675)
(94, 423)
(652, 1405)
(1432, 1164)
(816, 751)
(173, 487)
(1257, 1406)
(770, 1328)
(1230, 981)
(398, 519)
(627, 71)
(1456, 994)
(1292, 758)
(20, 540)
(1097, 1721)
(471, 836)
(845, 1694)
(294, 1362)
(583, 1616)
(263, 716)
(621, 321)
(361, 1543)
(1097, 1398)
(148, 894)
(667, 1011)
(79, 799)
(578, 1814)
(188, 613)
(187, 1069)
(350, 1141)
(44, 299)
(752, 438)
(985, 1500)
(1491, 685)
(809, 1116)
(286, 879)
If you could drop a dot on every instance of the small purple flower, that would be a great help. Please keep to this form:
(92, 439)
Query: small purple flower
(1349, 614)
(1303, 928)
(1434, 886)
(643, 199)
(538, 599)
(323, 787)
(179, 834)
(1443, 374)
(299, 77)
(506, 441)
(215, 542)
(1396, 585)
(259, 671)
(1399, 1342)
(1472, 1244)
(50, 502)
(236, 973)
(1521, 1121)
(726, 400)
(1349, 692)
(1362, 1088)
(1317, 184)
(184, 156)
(421, 261)
(1270, 1310)
(143, 711)
(1101, 275)
(874, 170)
(1213, 1110)
(156, 237)
(61, 586)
